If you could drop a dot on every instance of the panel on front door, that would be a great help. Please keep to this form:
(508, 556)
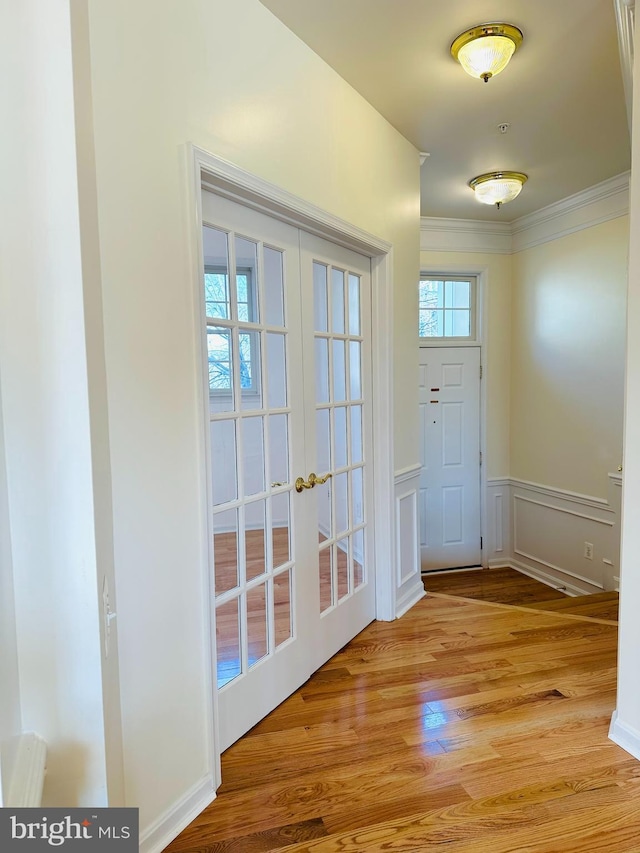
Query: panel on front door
(450, 443)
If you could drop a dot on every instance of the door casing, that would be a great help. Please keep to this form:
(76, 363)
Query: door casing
(481, 340)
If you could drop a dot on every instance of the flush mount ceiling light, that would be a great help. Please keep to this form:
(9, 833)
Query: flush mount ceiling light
(498, 187)
(485, 50)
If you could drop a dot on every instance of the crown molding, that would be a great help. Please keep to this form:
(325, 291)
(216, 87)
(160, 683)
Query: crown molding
(593, 206)
(625, 20)
(464, 235)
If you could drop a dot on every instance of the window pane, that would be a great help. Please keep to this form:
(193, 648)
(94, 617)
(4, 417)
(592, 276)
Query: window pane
(339, 371)
(354, 304)
(282, 606)
(273, 287)
(224, 469)
(337, 301)
(276, 371)
(257, 623)
(216, 269)
(342, 563)
(457, 294)
(253, 455)
(325, 575)
(460, 324)
(320, 297)
(228, 642)
(431, 294)
(225, 550)
(246, 280)
(280, 536)
(220, 358)
(431, 323)
(254, 539)
(340, 437)
(322, 370)
(279, 448)
(250, 382)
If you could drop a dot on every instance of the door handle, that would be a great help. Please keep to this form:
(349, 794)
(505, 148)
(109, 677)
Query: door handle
(313, 480)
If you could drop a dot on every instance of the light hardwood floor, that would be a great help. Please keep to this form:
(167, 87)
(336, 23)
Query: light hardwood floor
(465, 726)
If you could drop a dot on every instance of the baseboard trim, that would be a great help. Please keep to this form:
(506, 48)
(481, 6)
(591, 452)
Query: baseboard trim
(167, 827)
(550, 580)
(412, 596)
(625, 736)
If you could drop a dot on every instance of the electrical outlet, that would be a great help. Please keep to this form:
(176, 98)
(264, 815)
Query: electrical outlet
(588, 550)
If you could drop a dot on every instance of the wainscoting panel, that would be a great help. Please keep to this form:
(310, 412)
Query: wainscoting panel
(544, 532)
(409, 587)
(552, 531)
(497, 550)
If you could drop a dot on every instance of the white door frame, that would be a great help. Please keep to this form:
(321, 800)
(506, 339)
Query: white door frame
(482, 298)
(205, 170)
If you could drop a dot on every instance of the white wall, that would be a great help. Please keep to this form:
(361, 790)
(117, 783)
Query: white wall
(626, 727)
(567, 366)
(230, 78)
(43, 367)
(10, 710)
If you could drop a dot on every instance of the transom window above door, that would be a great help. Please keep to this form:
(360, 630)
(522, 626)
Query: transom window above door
(447, 307)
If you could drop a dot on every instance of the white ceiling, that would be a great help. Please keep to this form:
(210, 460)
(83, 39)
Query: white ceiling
(562, 93)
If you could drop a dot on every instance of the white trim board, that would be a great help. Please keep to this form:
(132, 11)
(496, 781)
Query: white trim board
(178, 817)
(593, 206)
(625, 21)
(625, 736)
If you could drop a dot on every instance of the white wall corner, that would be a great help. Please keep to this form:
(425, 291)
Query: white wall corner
(27, 774)
(625, 20)
(625, 736)
(168, 826)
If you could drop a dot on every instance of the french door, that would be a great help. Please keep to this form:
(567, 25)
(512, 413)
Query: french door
(287, 328)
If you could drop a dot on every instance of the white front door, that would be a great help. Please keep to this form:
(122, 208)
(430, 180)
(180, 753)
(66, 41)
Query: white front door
(450, 451)
(288, 385)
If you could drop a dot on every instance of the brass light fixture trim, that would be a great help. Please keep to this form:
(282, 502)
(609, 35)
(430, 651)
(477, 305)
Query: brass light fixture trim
(498, 187)
(502, 42)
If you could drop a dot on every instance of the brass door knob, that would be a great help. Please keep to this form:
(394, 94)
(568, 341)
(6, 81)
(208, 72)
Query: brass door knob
(313, 480)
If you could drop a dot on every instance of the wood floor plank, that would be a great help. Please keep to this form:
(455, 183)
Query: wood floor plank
(469, 726)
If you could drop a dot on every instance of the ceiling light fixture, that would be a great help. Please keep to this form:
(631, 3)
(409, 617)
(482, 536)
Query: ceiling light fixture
(498, 187)
(485, 50)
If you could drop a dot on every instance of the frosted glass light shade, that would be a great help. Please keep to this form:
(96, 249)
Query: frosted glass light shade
(486, 57)
(498, 187)
(485, 50)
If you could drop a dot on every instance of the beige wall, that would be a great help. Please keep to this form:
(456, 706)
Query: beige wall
(496, 323)
(567, 359)
(229, 77)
